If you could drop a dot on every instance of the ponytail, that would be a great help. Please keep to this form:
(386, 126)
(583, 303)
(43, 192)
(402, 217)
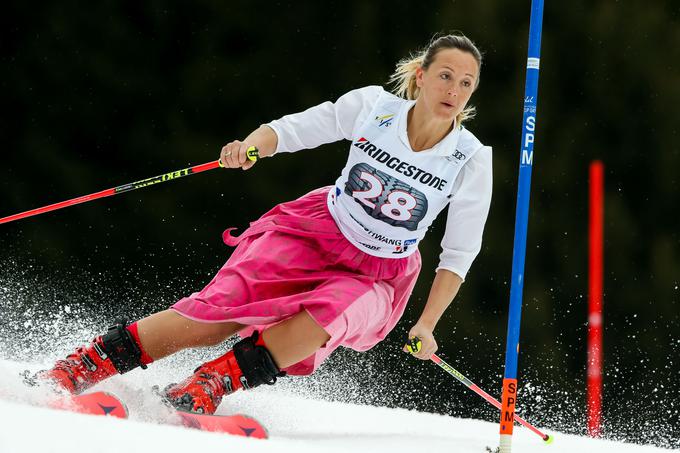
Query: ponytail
(404, 77)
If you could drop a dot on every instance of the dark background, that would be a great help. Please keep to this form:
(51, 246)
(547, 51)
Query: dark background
(99, 94)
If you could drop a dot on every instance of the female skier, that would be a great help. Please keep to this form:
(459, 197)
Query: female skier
(336, 266)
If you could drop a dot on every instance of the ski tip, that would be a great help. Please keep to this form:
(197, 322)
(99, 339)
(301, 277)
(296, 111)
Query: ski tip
(237, 424)
(121, 409)
(95, 403)
(549, 439)
(258, 430)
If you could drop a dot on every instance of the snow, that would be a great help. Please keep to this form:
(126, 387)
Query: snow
(295, 423)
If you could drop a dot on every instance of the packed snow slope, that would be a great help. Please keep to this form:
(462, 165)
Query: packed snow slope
(296, 424)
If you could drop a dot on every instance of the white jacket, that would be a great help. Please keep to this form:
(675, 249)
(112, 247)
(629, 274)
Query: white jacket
(388, 195)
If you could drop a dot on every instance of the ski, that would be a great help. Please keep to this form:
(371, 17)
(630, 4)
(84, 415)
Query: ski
(107, 404)
(95, 403)
(237, 424)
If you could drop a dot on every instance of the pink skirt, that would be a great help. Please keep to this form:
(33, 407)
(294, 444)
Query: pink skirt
(294, 258)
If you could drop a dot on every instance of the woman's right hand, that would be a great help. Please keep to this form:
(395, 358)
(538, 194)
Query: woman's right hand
(233, 155)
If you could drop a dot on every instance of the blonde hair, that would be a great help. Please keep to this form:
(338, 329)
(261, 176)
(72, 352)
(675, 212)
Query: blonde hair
(404, 76)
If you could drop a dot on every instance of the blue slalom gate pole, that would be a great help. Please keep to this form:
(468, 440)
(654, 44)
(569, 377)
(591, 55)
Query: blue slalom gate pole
(521, 218)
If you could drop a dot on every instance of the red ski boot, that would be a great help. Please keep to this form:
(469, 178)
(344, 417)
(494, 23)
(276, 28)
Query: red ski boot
(247, 365)
(114, 352)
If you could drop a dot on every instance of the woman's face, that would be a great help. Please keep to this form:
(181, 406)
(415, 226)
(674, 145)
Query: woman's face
(446, 86)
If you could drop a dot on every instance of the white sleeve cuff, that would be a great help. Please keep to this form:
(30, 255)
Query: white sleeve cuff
(460, 274)
(459, 263)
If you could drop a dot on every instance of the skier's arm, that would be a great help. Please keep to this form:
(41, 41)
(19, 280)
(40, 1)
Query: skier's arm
(444, 289)
(324, 123)
(468, 211)
(471, 197)
(233, 154)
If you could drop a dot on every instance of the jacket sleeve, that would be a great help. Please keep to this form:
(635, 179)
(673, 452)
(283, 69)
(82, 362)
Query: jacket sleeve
(468, 210)
(325, 123)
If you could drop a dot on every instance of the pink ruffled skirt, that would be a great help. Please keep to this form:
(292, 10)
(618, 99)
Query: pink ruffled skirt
(294, 258)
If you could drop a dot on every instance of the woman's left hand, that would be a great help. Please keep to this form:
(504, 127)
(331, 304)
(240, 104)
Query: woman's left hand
(428, 344)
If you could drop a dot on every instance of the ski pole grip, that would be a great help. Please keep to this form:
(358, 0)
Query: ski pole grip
(413, 345)
(253, 153)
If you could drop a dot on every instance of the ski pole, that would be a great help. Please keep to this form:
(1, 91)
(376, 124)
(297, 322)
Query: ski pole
(413, 346)
(252, 154)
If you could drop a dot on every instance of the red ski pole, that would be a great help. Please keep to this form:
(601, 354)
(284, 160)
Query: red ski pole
(252, 155)
(413, 345)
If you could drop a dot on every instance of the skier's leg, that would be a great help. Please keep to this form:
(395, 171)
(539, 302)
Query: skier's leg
(125, 347)
(167, 332)
(295, 339)
(253, 361)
